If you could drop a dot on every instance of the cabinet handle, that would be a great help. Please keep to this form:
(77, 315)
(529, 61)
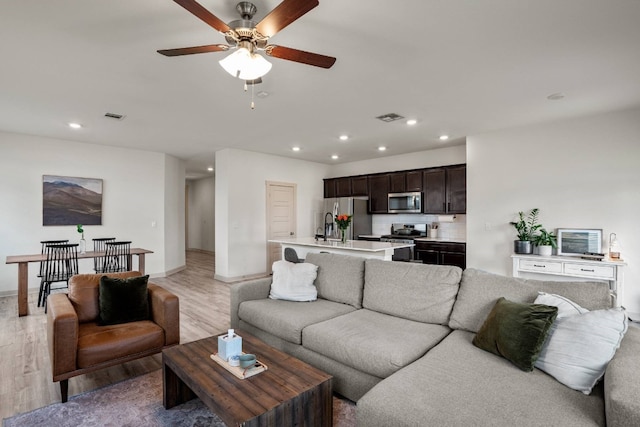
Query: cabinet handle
(444, 207)
(539, 266)
(587, 270)
(448, 206)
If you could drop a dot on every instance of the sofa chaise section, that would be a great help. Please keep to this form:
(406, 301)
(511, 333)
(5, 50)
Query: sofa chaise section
(458, 384)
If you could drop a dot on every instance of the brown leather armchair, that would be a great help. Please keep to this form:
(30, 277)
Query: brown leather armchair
(78, 345)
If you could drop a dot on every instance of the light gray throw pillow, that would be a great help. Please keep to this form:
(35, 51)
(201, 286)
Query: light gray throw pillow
(294, 282)
(581, 343)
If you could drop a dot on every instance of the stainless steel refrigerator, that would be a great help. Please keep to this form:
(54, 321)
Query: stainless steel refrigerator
(354, 206)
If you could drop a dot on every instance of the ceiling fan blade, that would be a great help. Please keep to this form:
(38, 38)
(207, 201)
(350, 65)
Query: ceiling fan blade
(195, 49)
(198, 10)
(300, 56)
(284, 14)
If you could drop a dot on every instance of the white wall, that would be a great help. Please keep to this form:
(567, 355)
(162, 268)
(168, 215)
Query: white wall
(423, 159)
(202, 214)
(581, 173)
(139, 188)
(240, 206)
(174, 214)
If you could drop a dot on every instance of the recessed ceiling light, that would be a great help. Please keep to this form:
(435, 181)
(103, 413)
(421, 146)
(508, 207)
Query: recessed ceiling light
(444, 137)
(412, 122)
(382, 148)
(75, 125)
(295, 148)
(555, 96)
(334, 157)
(344, 137)
(210, 169)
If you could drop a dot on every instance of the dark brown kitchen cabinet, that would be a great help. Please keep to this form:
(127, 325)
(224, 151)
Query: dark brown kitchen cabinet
(457, 189)
(379, 186)
(397, 182)
(359, 186)
(414, 181)
(329, 188)
(343, 187)
(435, 191)
(445, 190)
(441, 253)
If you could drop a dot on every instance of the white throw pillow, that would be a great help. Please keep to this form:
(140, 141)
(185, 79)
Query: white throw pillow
(294, 282)
(581, 343)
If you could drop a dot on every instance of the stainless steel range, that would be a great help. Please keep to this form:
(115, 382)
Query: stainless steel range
(404, 233)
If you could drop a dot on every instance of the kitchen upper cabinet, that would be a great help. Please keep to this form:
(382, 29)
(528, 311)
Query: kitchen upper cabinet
(329, 188)
(402, 182)
(360, 186)
(397, 183)
(445, 190)
(343, 187)
(457, 189)
(379, 188)
(435, 191)
(413, 181)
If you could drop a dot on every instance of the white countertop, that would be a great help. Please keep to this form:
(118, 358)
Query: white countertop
(441, 239)
(356, 245)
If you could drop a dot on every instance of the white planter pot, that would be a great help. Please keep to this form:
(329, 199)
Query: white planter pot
(545, 250)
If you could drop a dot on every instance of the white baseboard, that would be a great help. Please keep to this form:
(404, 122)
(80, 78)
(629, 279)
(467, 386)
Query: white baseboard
(239, 278)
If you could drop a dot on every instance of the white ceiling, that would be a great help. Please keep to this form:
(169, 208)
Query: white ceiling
(460, 67)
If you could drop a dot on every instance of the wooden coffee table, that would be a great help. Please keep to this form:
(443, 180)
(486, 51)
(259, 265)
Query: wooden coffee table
(290, 392)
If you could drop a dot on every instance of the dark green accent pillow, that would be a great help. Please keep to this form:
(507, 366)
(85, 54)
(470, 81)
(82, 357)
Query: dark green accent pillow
(516, 331)
(123, 300)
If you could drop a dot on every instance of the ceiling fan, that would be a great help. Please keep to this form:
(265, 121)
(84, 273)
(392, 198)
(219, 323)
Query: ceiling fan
(249, 37)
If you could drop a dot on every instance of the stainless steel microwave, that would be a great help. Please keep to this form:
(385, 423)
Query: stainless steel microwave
(405, 202)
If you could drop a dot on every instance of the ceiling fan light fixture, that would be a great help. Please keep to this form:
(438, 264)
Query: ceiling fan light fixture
(245, 64)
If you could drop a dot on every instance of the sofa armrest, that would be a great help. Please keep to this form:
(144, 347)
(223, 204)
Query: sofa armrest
(62, 334)
(165, 311)
(247, 291)
(622, 383)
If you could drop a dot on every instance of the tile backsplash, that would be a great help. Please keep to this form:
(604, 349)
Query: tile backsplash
(381, 224)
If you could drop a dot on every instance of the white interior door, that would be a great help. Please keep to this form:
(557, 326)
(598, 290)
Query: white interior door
(281, 217)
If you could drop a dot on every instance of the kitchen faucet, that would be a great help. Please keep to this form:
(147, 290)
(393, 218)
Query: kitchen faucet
(324, 236)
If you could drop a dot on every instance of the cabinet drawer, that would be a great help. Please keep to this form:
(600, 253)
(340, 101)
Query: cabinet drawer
(606, 272)
(541, 266)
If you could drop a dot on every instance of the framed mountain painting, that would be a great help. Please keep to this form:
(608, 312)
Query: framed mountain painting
(71, 201)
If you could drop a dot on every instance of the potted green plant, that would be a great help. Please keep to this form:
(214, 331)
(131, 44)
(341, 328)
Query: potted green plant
(545, 241)
(83, 243)
(526, 227)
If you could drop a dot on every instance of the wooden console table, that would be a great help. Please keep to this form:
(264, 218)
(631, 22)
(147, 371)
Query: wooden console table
(23, 271)
(574, 268)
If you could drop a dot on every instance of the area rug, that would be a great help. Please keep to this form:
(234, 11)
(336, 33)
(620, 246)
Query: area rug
(138, 402)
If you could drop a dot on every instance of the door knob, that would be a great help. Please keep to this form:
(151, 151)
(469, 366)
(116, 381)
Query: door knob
(291, 233)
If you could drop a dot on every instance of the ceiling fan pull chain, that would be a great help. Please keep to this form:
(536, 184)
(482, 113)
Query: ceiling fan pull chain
(253, 105)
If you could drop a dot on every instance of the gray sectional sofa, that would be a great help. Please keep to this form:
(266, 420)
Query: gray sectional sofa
(397, 337)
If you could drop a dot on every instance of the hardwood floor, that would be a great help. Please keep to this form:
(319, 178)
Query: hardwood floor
(25, 370)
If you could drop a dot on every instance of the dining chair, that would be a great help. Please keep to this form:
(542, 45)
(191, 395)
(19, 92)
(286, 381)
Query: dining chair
(99, 246)
(117, 257)
(60, 265)
(44, 244)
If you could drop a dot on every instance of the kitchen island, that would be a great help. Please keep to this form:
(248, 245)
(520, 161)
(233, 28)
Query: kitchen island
(361, 248)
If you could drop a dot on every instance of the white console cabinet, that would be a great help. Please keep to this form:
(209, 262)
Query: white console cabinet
(573, 268)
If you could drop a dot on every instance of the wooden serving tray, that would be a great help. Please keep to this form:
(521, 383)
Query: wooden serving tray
(239, 372)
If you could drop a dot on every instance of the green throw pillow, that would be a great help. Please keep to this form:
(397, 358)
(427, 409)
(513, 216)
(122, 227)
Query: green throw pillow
(516, 331)
(123, 300)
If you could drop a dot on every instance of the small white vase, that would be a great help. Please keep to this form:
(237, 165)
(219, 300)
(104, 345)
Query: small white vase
(82, 246)
(545, 250)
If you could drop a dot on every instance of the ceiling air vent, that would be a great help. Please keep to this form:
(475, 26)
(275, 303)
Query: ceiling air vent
(114, 116)
(391, 117)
